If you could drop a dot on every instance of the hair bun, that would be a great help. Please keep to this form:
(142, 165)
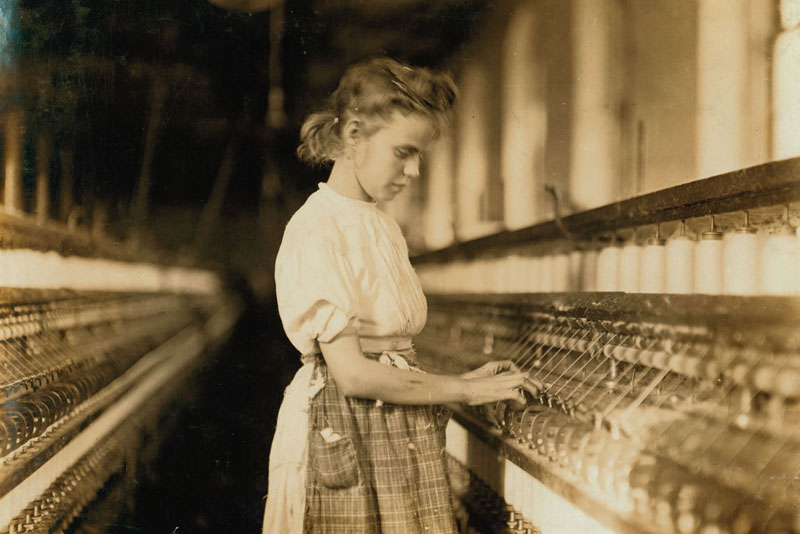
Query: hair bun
(377, 88)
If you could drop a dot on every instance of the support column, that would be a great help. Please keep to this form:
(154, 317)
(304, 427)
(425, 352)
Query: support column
(276, 116)
(141, 200)
(786, 80)
(596, 124)
(733, 77)
(439, 212)
(14, 136)
(66, 199)
(42, 178)
(524, 122)
(761, 29)
(210, 216)
(722, 79)
(472, 160)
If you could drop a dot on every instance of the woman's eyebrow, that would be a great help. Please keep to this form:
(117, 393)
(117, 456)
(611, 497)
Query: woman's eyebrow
(408, 148)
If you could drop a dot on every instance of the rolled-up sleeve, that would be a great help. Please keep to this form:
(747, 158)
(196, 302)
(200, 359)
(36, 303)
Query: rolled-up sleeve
(315, 289)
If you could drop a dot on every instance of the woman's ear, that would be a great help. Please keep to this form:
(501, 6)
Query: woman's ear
(352, 133)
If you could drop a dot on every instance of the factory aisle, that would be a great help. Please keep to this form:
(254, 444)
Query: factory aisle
(211, 472)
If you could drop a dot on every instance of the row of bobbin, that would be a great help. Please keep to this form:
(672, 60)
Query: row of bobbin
(737, 262)
(740, 262)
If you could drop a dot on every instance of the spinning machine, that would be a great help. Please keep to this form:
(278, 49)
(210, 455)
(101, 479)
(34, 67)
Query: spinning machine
(670, 368)
(97, 351)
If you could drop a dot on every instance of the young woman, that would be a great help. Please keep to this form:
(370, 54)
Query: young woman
(359, 446)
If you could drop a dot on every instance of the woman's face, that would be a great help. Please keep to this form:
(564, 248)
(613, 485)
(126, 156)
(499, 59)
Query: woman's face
(387, 160)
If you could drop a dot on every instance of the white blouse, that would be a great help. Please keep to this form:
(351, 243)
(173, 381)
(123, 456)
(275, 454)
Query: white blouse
(343, 267)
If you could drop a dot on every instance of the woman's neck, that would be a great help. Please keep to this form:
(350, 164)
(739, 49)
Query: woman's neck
(343, 180)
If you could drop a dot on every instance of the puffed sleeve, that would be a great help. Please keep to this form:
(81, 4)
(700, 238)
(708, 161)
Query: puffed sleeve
(315, 289)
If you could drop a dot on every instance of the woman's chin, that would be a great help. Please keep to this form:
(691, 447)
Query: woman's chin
(391, 193)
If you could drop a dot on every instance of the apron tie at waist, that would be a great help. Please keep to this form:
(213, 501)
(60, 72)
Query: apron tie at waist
(403, 361)
(387, 343)
(396, 351)
(395, 359)
(372, 345)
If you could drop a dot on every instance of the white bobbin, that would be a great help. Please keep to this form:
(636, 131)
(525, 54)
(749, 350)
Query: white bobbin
(708, 262)
(607, 268)
(629, 264)
(740, 258)
(652, 265)
(560, 277)
(589, 269)
(679, 263)
(779, 264)
(533, 275)
(546, 273)
(576, 267)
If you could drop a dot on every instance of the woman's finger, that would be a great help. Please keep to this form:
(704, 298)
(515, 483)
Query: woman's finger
(518, 400)
(509, 380)
(505, 366)
(533, 386)
(522, 380)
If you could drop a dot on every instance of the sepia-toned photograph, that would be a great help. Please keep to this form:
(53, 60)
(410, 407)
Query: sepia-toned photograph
(400, 267)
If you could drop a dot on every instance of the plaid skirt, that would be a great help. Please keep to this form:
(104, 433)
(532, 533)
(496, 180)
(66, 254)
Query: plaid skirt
(375, 468)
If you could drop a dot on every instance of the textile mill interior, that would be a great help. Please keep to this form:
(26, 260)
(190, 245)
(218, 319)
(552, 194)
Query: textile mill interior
(614, 207)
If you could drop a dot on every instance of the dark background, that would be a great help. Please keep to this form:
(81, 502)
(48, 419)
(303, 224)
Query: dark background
(87, 72)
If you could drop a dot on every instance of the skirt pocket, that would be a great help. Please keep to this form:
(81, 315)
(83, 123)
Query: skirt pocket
(334, 462)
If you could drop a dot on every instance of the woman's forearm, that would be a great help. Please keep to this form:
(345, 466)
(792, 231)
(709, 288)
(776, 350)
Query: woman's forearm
(378, 381)
(358, 376)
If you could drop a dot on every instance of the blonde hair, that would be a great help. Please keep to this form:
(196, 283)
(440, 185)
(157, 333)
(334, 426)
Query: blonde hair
(375, 89)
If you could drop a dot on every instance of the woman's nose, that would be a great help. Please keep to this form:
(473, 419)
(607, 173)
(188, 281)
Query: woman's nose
(411, 168)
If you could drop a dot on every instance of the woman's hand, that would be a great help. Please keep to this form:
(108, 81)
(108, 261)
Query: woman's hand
(506, 385)
(492, 368)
